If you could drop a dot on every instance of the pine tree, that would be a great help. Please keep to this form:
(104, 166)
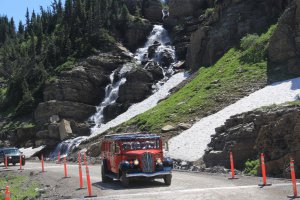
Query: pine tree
(20, 28)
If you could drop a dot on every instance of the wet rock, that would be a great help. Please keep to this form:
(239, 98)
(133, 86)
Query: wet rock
(155, 70)
(180, 65)
(152, 49)
(166, 58)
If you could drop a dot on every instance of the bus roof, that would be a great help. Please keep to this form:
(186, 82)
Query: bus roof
(131, 136)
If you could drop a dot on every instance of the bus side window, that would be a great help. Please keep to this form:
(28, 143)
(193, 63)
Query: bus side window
(117, 148)
(112, 148)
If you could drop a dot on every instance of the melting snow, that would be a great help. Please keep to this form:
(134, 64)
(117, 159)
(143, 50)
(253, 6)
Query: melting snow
(190, 144)
(28, 152)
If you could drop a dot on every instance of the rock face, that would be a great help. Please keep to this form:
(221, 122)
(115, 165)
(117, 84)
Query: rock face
(137, 33)
(65, 109)
(226, 25)
(70, 100)
(203, 30)
(274, 131)
(284, 48)
(138, 85)
(152, 10)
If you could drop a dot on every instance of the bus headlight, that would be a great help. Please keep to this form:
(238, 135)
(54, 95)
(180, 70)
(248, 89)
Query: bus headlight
(158, 160)
(136, 162)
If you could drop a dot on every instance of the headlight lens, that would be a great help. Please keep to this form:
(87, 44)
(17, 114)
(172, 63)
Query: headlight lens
(158, 160)
(9, 157)
(136, 162)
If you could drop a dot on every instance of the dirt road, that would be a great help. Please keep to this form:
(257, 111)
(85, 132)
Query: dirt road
(184, 185)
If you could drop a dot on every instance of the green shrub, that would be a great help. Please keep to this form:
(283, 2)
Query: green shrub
(209, 11)
(255, 47)
(67, 66)
(251, 167)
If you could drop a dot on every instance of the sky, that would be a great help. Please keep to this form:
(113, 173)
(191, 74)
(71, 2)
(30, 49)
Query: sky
(17, 8)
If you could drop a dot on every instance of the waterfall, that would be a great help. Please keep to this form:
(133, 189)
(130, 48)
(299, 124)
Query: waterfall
(65, 147)
(158, 37)
(111, 95)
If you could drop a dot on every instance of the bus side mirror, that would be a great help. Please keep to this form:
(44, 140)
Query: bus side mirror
(166, 146)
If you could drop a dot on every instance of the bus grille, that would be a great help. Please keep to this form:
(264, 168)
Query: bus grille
(147, 162)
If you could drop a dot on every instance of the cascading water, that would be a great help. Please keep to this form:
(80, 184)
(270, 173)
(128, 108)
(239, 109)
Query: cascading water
(66, 146)
(158, 37)
(111, 95)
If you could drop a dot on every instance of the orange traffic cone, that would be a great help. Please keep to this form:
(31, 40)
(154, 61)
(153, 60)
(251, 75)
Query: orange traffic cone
(7, 193)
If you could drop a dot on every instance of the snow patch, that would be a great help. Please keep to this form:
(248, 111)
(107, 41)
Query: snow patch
(29, 152)
(190, 144)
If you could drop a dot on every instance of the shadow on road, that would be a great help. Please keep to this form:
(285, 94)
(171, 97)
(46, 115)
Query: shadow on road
(136, 184)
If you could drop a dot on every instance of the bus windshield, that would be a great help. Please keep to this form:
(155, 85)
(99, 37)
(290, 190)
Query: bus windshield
(137, 145)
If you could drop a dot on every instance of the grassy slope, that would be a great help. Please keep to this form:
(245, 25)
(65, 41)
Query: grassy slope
(20, 186)
(238, 73)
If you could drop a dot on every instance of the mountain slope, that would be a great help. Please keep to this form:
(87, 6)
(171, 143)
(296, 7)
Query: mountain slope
(238, 73)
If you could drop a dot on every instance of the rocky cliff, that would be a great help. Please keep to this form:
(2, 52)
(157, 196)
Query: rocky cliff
(273, 130)
(284, 51)
(205, 30)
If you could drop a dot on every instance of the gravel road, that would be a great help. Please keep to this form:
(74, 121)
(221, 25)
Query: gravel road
(184, 185)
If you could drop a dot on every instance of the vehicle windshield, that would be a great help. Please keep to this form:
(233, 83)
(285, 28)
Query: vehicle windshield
(136, 145)
(11, 151)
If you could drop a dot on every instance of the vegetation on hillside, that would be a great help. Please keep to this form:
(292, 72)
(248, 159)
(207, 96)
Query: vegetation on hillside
(21, 187)
(49, 43)
(240, 71)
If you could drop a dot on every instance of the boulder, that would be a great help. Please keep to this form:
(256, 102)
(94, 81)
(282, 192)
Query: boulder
(168, 128)
(154, 68)
(64, 109)
(184, 126)
(65, 130)
(80, 129)
(180, 65)
(166, 58)
(152, 10)
(152, 49)
(137, 87)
